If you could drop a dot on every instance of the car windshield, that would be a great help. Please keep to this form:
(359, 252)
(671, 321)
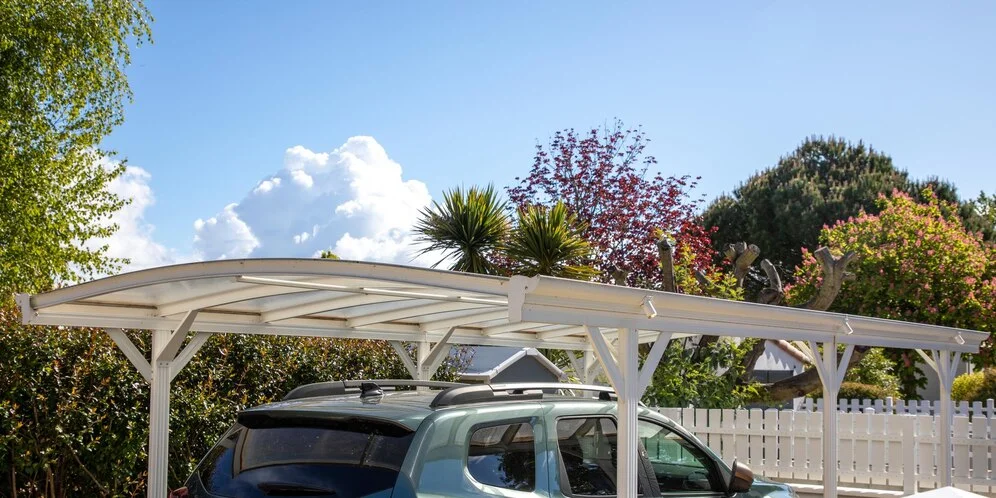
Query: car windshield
(341, 460)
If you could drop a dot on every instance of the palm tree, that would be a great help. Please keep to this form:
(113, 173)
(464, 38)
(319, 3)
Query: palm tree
(470, 226)
(548, 241)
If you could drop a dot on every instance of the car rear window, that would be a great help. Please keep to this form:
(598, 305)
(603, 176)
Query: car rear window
(343, 460)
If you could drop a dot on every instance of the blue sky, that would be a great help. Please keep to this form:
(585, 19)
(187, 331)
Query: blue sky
(460, 92)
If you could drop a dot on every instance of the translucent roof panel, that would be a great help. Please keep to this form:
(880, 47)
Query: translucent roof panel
(327, 298)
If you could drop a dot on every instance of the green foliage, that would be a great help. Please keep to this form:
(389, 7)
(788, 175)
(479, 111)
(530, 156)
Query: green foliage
(976, 386)
(721, 283)
(916, 262)
(876, 369)
(62, 88)
(469, 225)
(984, 206)
(328, 254)
(684, 379)
(783, 209)
(547, 241)
(74, 412)
(856, 390)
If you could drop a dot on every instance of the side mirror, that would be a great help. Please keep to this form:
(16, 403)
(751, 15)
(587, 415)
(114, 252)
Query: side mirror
(741, 479)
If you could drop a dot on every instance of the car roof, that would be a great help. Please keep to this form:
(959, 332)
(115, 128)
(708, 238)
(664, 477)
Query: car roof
(405, 408)
(410, 408)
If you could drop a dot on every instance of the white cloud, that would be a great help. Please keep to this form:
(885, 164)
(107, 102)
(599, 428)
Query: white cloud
(224, 236)
(353, 200)
(134, 238)
(301, 178)
(266, 186)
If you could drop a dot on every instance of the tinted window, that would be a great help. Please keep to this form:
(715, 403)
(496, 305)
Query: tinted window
(588, 454)
(679, 465)
(503, 456)
(344, 461)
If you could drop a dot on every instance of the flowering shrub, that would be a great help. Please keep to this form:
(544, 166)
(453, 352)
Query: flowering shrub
(916, 262)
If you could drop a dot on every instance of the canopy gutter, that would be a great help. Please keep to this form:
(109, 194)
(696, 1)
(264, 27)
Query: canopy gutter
(570, 302)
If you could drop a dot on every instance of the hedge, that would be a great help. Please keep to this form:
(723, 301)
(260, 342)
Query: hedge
(74, 412)
(977, 386)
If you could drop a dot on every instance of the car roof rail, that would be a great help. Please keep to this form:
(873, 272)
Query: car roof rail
(366, 386)
(485, 393)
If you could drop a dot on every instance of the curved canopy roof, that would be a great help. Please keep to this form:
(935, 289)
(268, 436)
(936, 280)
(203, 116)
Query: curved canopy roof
(329, 298)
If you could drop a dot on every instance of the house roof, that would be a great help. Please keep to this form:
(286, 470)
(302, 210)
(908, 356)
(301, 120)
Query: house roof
(489, 361)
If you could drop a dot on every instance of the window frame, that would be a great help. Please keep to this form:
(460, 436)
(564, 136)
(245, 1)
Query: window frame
(643, 483)
(712, 461)
(532, 421)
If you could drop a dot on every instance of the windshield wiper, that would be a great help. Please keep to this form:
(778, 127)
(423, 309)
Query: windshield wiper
(291, 489)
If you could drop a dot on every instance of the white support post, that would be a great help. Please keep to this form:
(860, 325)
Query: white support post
(422, 348)
(167, 361)
(605, 357)
(590, 367)
(945, 363)
(428, 358)
(159, 417)
(576, 366)
(437, 354)
(399, 348)
(627, 403)
(831, 375)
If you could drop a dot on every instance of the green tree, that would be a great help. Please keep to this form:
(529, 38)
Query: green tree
(548, 241)
(62, 89)
(782, 209)
(916, 262)
(470, 226)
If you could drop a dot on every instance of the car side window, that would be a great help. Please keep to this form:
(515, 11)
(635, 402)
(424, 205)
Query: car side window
(679, 465)
(503, 456)
(588, 454)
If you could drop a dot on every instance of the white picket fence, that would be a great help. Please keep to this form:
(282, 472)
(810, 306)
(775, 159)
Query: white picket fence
(886, 451)
(901, 407)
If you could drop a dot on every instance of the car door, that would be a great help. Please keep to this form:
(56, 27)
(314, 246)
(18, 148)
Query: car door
(679, 466)
(585, 450)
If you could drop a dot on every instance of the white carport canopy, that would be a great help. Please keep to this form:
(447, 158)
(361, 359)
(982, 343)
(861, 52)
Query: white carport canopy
(325, 298)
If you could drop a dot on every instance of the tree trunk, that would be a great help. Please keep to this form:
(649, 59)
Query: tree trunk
(665, 249)
(806, 382)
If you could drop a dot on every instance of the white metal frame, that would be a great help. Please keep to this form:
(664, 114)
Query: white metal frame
(434, 309)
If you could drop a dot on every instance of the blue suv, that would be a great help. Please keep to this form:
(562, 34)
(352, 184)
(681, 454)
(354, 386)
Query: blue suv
(402, 438)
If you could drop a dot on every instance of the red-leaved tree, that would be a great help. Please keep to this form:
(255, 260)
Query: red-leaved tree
(604, 177)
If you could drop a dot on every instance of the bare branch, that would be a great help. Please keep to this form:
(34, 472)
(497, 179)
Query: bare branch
(619, 276)
(806, 382)
(834, 274)
(742, 256)
(774, 293)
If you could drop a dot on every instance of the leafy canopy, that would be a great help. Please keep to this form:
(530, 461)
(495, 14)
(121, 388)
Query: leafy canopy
(62, 89)
(604, 178)
(782, 209)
